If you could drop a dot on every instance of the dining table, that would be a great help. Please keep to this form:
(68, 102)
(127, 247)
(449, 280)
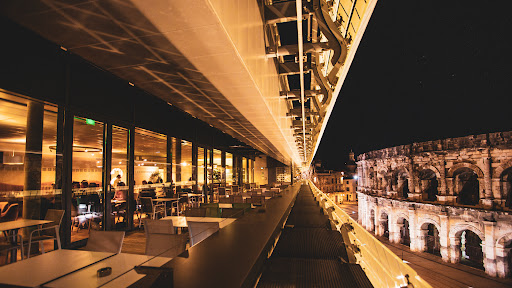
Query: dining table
(77, 268)
(12, 228)
(39, 270)
(181, 221)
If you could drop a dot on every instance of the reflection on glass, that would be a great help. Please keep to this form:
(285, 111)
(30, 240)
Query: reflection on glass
(244, 170)
(217, 166)
(229, 168)
(86, 175)
(200, 166)
(150, 157)
(119, 175)
(251, 171)
(186, 163)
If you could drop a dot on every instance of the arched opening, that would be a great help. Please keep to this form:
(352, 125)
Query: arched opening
(384, 220)
(400, 182)
(506, 186)
(433, 242)
(467, 186)
(405, 237)
(471, 249)
(429, 184)
(372, 220)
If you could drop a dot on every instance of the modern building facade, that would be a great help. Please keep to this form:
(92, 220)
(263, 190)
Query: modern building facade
(188, 94)
(450, 197)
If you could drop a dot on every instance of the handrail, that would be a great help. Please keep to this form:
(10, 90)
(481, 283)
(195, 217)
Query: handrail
(382, 267)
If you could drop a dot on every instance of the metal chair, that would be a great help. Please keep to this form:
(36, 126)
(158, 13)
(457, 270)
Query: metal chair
(195, 212)
(149, 208)
(48, 231)
(10, 214)
(105, 241)
(201, 230)
(7, 246)
(161, 239)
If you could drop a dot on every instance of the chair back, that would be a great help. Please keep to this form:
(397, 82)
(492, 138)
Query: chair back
(222, 191)
(247, 186)
(146, 204)
(166, 245)
(234, 189)
(152, 226)
(4, 206)
(232, 212)
(56, 217)
(268, 193)
(258, 200)
(201, 230)
(237, 198)
(11, 214)
(226, 199)
(245, 206)
(105, 241)
(195, 212)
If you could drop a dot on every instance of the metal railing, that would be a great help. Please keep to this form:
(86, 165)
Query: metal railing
(382, 267)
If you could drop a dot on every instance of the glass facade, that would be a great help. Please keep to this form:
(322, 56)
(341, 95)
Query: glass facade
(99, 164)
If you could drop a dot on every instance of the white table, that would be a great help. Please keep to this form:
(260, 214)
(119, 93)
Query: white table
(14, 226)
(131, 276)
(120, 264)
(41, 269)
(181, 221)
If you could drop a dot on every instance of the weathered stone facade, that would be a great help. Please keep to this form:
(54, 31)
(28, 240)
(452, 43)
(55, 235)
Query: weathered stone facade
(459, 185)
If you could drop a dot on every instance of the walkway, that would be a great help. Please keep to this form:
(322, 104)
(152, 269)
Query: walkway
(438, 273)
(309, 253)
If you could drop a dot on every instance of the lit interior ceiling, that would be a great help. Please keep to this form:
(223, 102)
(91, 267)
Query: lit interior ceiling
(219, 60)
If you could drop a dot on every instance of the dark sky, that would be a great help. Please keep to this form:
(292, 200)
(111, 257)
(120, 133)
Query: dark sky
(425, 70)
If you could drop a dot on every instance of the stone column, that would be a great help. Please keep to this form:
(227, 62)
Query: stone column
(442, 174)
(487, 202)
(412, 228)
(394, 232)
(502, 265)
(421, 243)
(455, 252)
(443, 237)
(489, 248)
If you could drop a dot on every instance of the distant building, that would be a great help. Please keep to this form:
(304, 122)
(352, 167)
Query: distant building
(339, 185)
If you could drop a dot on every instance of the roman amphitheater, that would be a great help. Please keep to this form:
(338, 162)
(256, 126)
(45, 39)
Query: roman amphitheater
(449, 197)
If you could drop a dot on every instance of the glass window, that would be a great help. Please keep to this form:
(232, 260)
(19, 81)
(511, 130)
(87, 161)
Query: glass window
(200, 166)
(186, 163)
(87, 175)
(251, 171)
(217, 166)
(244, 170)
(150, 160)
(229, 168)
(119, 175)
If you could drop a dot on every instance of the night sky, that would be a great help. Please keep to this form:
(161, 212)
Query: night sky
(425, 70)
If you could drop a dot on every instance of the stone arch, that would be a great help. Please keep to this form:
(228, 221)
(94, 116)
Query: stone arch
(457, 230)
(431, 167)
(497, 172)
(471, 166)
(423, 224)
(504, 240)
(401, 215)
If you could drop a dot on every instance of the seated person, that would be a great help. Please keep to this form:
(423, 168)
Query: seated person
(120, 193)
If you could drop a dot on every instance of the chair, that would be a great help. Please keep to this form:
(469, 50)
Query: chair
(7, 246)
(48, 231)
(149, 208)
(212, 209)
(232, 212)
(11, 214)
(258, 200)
(227, 200)
(234, 189)
(195, 212)
(237, 199)
(105, 241)
(245, 206)
(222, 191)
(161, 239)
(268, 193)
(201, 230)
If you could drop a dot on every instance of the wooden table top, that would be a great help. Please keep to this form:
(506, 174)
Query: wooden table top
(21, 223)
